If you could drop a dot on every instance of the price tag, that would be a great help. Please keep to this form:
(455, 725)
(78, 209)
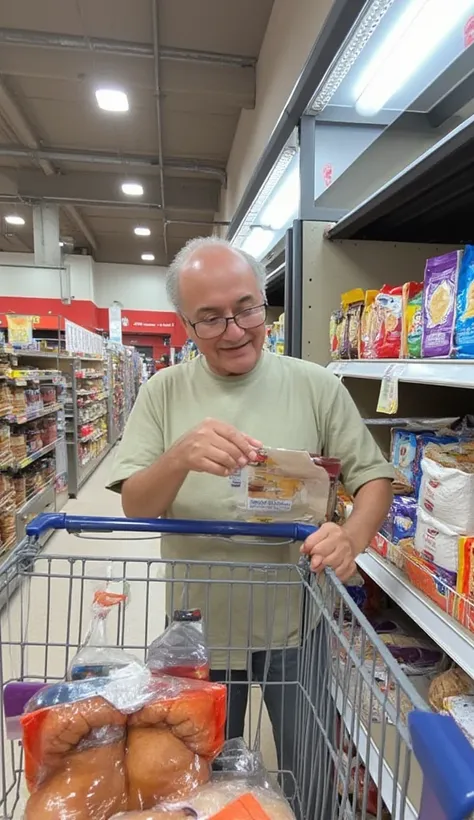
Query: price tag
(388, 396)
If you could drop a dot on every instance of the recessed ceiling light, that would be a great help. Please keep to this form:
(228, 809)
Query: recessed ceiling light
(111, 99)
(148, 257)
(13, 219)
(140, 231)
(132, 189)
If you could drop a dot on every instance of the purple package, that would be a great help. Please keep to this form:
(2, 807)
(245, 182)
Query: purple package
(439, 304)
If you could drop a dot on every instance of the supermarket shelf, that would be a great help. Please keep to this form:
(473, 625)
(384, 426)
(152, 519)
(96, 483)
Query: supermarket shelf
(46, 411)
(89, 421)
(21, 465)
(456, 641)
(32, 502)
(91, 466)
(378, 751)
(442, 372)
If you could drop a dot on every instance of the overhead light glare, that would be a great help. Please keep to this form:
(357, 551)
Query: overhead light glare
(141, 231)
(258, 241)
(148, 257)
(415, 36)
(132, 189)
(14, 219)
(284, 203)
(111, 99)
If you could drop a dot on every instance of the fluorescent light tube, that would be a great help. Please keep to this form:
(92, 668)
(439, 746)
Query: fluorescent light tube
(257, 241)
(284, 202)
(148, 257)
(132, 189)
(111, 99)
(411, 41)
(13, 219)
(140, 231)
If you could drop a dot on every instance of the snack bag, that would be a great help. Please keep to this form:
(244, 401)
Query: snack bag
(96, 658)
(388, 304)
(352, 305)
(439, 304)
(368, 326)
(284, 485)
(412, 298)
(464, 326)
(335, 341)
(181, 650)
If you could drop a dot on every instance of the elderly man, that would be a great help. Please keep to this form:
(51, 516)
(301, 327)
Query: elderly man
(192, 427)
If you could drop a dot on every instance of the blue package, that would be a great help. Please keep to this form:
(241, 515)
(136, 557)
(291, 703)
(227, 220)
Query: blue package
(408, 447)
(464, 325)
(403, 514)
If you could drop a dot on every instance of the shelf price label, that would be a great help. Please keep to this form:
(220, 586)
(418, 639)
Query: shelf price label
(388, 396)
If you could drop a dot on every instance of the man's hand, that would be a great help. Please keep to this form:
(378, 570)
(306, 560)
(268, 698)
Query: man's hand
(216, 448)
(332, 547)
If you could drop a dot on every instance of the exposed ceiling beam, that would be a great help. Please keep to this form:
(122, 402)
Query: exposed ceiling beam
(102, 158)
(124, 48)
(453, 102)
(24, 132)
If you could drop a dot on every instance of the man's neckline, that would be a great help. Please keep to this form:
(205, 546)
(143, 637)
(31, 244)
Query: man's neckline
(230, 380)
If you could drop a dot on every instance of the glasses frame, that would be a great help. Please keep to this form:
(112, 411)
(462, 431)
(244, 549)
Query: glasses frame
(228, 319)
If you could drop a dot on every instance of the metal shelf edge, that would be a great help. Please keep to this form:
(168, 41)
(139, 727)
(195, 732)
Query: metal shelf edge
(445, 373)
(456, 641)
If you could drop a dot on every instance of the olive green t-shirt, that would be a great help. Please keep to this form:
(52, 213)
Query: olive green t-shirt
(283, 402)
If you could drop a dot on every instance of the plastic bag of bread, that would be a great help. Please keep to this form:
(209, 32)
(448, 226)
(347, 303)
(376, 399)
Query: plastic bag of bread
(452, 683)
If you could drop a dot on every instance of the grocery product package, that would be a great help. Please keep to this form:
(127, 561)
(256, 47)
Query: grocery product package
(388, 306)
(465, 584)
(352, 306)
(464, 326)
(368, 326)
(448, 684)
(96, 657)
(336, 328)
(181, 650)
(435, 582)
(408, 447)
(412, 322)
(124, 741)
(286, 485)
(461, 708)
(400, 523)
(439, 304)
(436, 542)
(447, 484)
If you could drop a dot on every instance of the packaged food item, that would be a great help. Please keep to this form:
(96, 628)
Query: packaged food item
(181, 650)
(465, 584)
(388, 305)
(400, 523)
(352, 306)
(436, 542)
(368, 326)
(439, 304)
(408, 447)
(97, 658)
(447, 485)
(451, 683)
(464, 325)
(461, 708)
(284, 485)
(436, 583)
(335, 334)
(412, 299)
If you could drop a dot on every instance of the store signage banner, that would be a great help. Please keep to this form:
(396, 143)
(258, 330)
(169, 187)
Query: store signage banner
(20, 330)
(115, 324)
(82, 342)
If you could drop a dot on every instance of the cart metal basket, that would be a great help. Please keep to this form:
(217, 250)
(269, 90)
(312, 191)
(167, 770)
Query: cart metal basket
(340, 726)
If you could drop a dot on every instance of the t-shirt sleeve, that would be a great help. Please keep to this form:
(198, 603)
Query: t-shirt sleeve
(348, 438)
(142, 440)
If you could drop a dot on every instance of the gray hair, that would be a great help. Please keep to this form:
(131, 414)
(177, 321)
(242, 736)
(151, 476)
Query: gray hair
(178, 263)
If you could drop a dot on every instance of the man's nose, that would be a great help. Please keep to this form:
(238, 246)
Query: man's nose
(234, 332)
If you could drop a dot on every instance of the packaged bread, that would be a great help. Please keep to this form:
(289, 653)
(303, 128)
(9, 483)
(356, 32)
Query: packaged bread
(412, 307)
(452, 683)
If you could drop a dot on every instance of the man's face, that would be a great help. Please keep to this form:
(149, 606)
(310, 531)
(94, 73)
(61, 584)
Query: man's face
(217, 282)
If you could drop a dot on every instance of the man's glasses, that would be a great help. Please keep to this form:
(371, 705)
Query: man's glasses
(245, 319)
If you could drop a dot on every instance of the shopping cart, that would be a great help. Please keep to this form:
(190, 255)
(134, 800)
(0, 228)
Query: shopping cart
(352, 737)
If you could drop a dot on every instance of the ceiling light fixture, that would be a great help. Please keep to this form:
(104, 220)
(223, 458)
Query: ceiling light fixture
(410, 42)
(343, 64)
(148, 257)
(132, 189)
(284, 203)
(111, 99)
(257, 241)
(140, 231)
(14, 219)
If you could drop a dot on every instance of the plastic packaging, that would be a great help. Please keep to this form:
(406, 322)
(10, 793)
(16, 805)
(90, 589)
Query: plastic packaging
(412, 324)
(368, 326)
(447, 485)
(439, 304)
(388, 305)
(352, 306)
(181, 650)
(97, 658)
(464, 327)
(284, 485)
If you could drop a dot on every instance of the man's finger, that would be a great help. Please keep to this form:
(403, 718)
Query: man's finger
(239, 439)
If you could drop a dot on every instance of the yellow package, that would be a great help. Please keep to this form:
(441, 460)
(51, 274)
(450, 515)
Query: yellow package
(352, 303)
(368, 326)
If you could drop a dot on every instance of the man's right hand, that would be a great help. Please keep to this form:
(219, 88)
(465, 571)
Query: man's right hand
(216, 448)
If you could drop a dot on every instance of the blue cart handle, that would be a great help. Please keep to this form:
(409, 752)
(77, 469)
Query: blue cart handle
(222, 529)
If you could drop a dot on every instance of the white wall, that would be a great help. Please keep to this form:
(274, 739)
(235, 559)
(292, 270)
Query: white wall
(20, 277)
(137, 287)
(292, 30)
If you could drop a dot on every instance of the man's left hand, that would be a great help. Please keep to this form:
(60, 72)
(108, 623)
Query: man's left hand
(331, 546)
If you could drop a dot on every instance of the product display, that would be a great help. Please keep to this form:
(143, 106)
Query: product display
(275, 336)
(439, 304)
